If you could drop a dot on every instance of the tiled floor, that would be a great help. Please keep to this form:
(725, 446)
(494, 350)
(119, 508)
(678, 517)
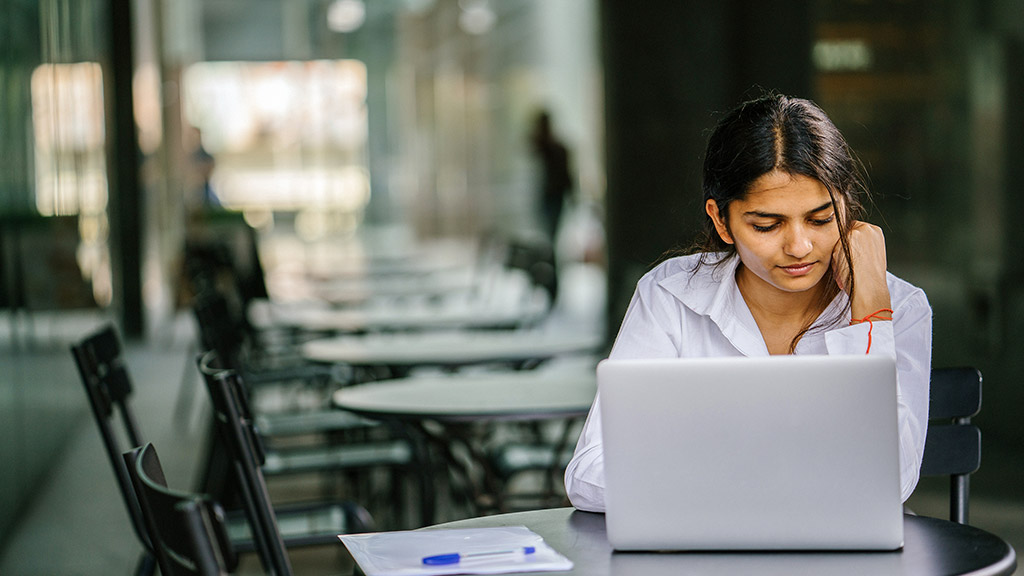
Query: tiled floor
(77, 525)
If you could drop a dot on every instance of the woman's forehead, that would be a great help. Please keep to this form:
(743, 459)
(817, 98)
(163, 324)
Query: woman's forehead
(784, 193)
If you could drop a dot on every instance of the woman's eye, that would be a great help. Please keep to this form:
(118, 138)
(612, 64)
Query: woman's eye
(823, 221)
(768, 228)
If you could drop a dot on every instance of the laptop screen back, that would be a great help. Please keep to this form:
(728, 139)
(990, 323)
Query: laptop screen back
(787, 452)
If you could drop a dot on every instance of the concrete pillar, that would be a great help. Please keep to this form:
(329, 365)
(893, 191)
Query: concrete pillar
(670, 67)
(125, 210)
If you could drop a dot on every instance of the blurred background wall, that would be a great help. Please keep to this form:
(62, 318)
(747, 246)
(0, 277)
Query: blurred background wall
(127, 126)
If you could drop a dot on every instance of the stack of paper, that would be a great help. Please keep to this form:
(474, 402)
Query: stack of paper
(495, 550)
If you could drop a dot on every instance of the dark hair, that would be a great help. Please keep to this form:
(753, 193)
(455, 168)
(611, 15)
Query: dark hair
(792, 135)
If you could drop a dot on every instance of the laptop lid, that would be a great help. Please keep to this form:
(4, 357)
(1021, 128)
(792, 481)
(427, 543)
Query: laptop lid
(780, 452)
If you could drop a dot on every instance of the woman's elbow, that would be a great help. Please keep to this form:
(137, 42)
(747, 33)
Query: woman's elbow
(585, 502)
(583, 495)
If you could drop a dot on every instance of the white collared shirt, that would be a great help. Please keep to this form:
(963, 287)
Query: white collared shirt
(677, 313)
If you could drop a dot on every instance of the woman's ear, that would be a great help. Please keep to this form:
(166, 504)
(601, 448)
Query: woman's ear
(718, 219)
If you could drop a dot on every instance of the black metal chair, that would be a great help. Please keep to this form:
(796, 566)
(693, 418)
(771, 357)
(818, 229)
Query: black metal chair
(222, 329)
(535, 257)
(223, 267)
(253, 461)
(289, 398)
(109, 388)
(953, 445)
(187, 530)
(234, 427)
(107, 385)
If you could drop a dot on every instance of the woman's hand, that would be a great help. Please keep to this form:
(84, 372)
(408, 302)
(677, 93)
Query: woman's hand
(867, 251)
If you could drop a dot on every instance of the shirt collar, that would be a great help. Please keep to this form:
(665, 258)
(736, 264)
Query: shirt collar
(712, 291)
(706, 291)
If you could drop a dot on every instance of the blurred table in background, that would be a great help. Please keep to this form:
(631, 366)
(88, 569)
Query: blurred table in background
(452, 349)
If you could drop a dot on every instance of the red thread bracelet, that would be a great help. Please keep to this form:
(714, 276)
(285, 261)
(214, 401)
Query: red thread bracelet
(873, 316)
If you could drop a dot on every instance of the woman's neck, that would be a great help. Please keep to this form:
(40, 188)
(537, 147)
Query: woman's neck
(780, 316)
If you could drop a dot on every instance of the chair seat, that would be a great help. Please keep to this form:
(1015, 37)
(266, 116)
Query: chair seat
(514, 458)
(304, 525)
(299, 423)
(338, 457)
(298, 371)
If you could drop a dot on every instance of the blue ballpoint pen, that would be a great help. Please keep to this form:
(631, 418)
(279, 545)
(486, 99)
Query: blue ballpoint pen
(455, 558)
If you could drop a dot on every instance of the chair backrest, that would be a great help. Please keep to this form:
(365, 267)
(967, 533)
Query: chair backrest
(187, 530)
(536, 257)
(101, 365)
(207, 265)
(953, 444)
(252, 285)
(233, 424)
(234, 271)
(218, 329)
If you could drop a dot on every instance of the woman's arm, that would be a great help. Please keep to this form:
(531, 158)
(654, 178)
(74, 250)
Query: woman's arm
(584, 476)
(908, 337)
(870, 285)
(640, 336)
(913, 335)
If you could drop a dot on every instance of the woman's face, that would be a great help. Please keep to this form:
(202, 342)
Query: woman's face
(784, 231)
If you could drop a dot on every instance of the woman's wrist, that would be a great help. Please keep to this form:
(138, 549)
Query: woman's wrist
(871, 294)
(882, 314)
(876, 308)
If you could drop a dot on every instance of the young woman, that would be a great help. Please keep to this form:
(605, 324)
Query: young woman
(784, 267)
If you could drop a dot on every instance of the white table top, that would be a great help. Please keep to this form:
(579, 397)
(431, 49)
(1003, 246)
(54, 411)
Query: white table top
(415, 263)
(449, 348)
(513, 395)
(428, 285)
(353, 270)
(413, 317)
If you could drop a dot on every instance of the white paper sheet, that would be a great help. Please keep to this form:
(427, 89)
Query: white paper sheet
(402, 553)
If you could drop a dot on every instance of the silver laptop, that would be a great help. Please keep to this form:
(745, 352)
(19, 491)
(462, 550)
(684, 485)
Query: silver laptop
(776, 453)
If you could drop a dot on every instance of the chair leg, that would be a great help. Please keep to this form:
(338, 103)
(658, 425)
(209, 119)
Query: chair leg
(423, 472)
(186, 388)
(959, 504)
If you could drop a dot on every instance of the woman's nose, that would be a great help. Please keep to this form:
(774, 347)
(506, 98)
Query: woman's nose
(798, 242)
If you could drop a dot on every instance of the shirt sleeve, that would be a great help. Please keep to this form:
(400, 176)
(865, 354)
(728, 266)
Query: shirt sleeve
(909, 338)
(640, 336)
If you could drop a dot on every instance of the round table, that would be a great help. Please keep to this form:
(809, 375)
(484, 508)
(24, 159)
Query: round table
(931, 547)
(348, 292)
(399, 318)
(519, 395)
(456, 403)
(456, 348)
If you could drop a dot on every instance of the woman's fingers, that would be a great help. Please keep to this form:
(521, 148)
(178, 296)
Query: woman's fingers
(868, 260)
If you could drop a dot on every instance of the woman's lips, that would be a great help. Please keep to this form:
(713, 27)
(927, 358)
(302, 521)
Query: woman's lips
(798, 269)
